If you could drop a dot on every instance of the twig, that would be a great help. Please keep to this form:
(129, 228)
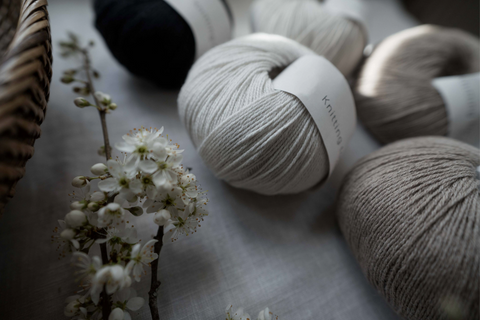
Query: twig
(106, 307)
(102, 111)
(155, 284)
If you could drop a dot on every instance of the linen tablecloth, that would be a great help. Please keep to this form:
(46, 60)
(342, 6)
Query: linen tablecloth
(284, 252)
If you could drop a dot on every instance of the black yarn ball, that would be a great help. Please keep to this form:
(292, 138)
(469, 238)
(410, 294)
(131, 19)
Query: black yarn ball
(149, 38)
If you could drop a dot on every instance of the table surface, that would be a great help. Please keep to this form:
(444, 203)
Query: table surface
(284, 252)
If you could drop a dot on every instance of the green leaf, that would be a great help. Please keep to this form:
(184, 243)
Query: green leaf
(136, 211)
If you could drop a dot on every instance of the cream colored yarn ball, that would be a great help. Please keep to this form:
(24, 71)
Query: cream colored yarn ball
(410, 213)
(394, 94)
(337, 38)
(249, 134)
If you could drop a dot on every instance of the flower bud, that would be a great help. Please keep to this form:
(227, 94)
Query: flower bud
(70, 72)
(103, 98)
(67, 234)
(116, 314)
(79, 182)
(101, 151)
(81, 102)
(97, 196)
(99, 169)
(112, 106)
(75, 218)
(161, 217)
(67, 79)
(93, 206)
(77, 205)
(71, 309)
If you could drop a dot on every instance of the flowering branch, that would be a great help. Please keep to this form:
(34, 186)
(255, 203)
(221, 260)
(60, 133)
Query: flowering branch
(150, 177)
(74, 46)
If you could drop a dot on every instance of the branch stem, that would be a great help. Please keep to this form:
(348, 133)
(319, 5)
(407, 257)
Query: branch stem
(155, 283)
(106, 306)
(102, 112)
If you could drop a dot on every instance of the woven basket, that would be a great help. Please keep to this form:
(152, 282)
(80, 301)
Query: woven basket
(25, 74)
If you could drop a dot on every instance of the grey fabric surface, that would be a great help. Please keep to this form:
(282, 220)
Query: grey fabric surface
(253, 251)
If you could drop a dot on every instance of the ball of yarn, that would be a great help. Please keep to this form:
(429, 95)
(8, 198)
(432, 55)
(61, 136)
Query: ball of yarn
(410, 213)
(249, 134)
(337, 38)
(148, 37)
(394, 94)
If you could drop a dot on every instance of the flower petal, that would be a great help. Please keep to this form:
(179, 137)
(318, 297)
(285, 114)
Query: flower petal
(116, 314)
(108, 185)
(135, 303)
(124, 146)
(136, 186)
(148, 166)
(159, 178)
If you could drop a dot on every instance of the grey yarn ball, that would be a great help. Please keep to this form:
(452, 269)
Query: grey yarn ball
(248, 133)
(337, 38)
(410, 213)
(394, 94)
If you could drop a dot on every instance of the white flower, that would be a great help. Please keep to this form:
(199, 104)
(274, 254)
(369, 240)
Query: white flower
(75, 307)
(122, 174)
(126, 299)
(163, 170)
(79, 182)
(168, 199)
(99, 169)
(111, 215)
(144, 144)
(162, 217)
(265, 315)
(180, 224)
(75, 219)
(188, 184)
(65, 238)
(128, 236)
(145, 183)
(196, 208)
(72, 306)
(142, 257)
(240, 314)
(87, 266)
(112, 277)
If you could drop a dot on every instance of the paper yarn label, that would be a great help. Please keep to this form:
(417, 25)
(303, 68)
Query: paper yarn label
(325, 93)
(208, 20)
(462, 101)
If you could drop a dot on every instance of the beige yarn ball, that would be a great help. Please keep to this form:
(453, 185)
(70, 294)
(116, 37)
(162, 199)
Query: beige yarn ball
(337, 38)
(410, 213)
(394, 94)
(249, 134)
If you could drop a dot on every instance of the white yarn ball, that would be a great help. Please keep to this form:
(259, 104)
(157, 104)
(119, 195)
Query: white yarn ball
(337, 38)
(249, 134)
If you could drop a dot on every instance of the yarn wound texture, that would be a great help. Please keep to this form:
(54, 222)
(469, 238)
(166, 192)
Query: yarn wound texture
(249, 134)
(149, 38)
(394, 94)
(337, 38)
(410, 213)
